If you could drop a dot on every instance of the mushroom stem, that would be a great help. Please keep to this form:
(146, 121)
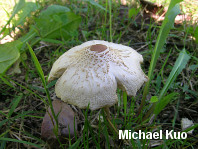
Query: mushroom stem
(106, 109)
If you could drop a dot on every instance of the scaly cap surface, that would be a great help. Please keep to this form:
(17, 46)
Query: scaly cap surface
(90, 73)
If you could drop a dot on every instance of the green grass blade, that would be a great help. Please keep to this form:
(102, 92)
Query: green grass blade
(16, 9)
(86, 130)
(14, 118)
(4, 142)
(96, 4)
(37, 65)
(27, 89)
(93, 136)
(2, 122)
(2, 113)
(30, 135)
(176, 114)
(76, 144)
(167, 24)
(14, 105)
(4, 133)
(106, 134)
(99, 128)
(110, 20)
(125, 104)
(165, 62)
(160, 105)
(178, 67)
(6, 81)
(20, 141)
(191, 128)
(41, 74)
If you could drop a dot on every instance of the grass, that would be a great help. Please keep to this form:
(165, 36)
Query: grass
(187, 7)
(24, 97)
(5, 11)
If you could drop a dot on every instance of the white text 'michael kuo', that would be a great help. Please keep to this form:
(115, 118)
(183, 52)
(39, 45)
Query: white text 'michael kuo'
(127, 134)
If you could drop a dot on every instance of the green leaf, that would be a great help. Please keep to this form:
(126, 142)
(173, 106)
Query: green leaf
(18, 7)
(57, 22)
(30, 36)
(9, 53)
(163, 102)
(193, 67)
(132, 12)
(154, 99)
(25, 11)
(92, 2)
(52, 83)
(178, 67)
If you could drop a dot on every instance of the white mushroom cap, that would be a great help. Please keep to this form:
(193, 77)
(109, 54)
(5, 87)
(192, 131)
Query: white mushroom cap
(89, 74)
(186, 123)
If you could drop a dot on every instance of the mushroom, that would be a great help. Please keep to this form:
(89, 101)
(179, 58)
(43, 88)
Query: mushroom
(186, 123)
(90, 73)
(66, 121)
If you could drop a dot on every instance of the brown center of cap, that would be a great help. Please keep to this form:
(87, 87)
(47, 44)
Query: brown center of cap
(98, 48)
